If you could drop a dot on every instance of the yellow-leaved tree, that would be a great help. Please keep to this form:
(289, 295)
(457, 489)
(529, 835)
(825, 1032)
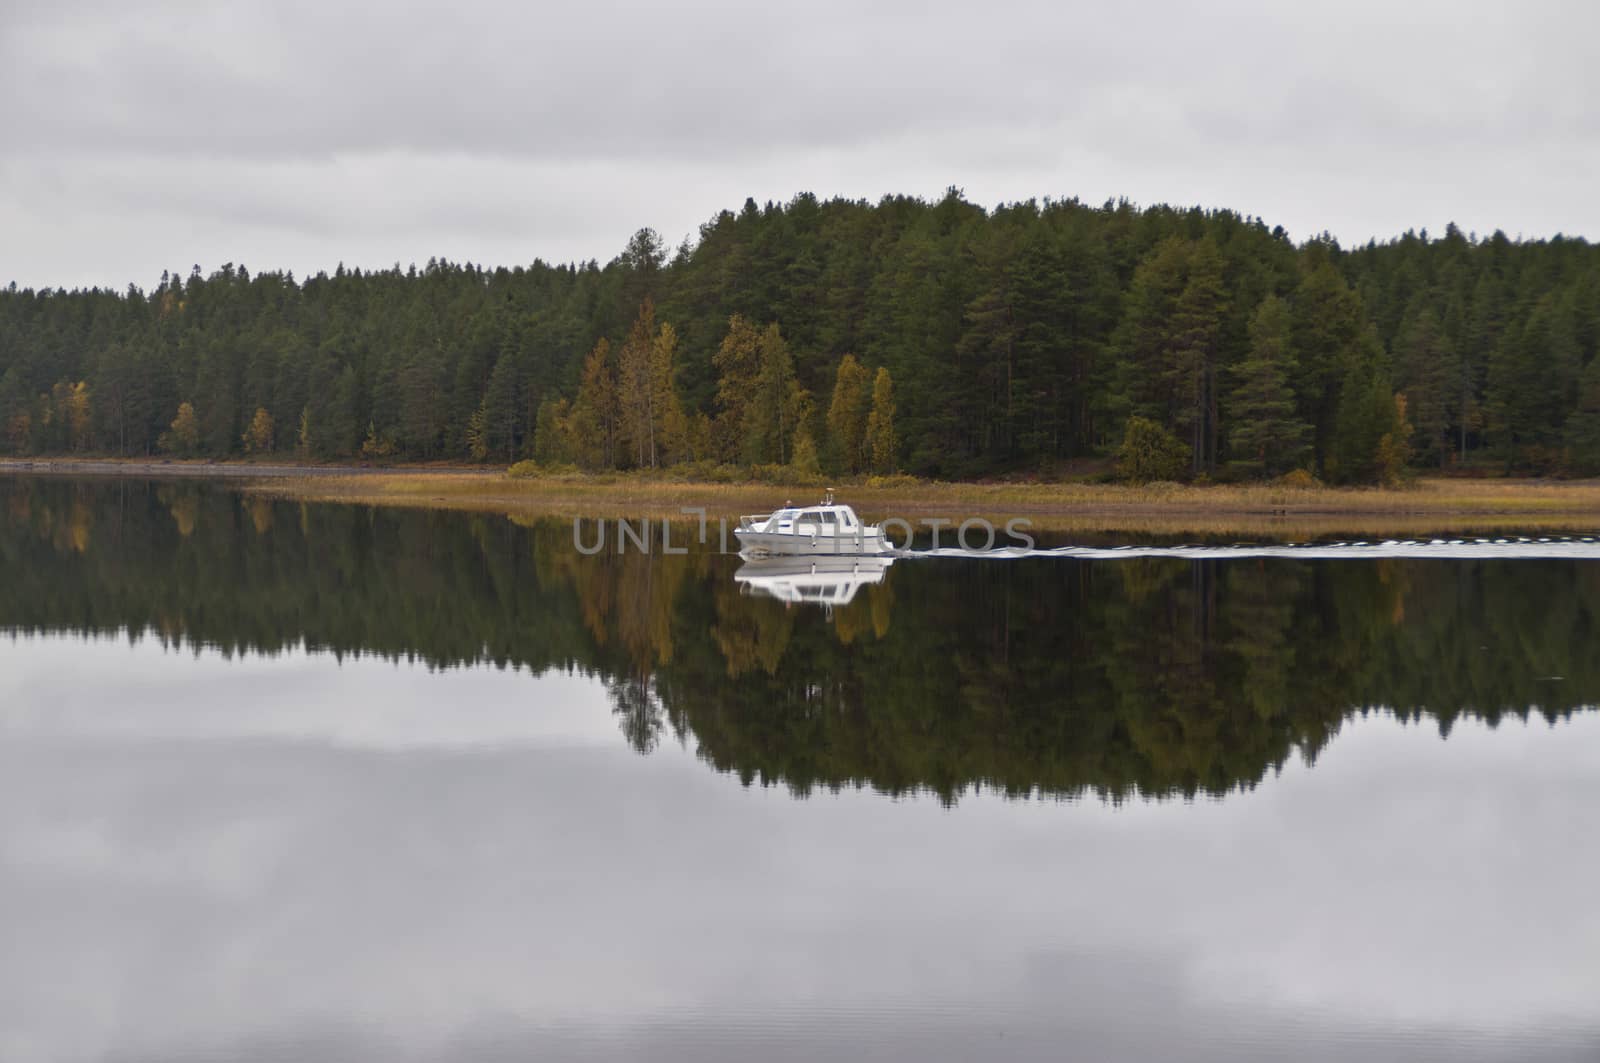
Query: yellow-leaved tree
(651, 418)
(880, 424)
(70, 409)
(847, 417)
(182, 437)
(258, 436)
(594, 412)
(737, 362)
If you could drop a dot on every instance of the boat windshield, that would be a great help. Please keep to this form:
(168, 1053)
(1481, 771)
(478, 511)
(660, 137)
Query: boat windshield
(832, 516)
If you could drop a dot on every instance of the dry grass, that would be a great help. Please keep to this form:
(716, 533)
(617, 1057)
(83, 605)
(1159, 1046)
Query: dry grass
(1265, 510)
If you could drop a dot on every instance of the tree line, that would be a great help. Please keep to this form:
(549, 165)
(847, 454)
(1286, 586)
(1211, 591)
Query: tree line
(937, 338)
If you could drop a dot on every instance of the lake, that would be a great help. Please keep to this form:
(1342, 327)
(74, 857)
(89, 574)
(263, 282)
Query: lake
(300, 783)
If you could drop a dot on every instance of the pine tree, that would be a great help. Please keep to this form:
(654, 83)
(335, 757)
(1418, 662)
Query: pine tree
(1191, 369)
(1369, 441)
(1327, 337)
(1267, 429)
(1145, 339)
(988, 348)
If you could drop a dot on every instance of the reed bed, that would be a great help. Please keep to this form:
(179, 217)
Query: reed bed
(1272, 511)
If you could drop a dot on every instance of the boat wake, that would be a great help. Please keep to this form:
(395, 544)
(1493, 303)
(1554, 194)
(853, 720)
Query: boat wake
(1579, 548)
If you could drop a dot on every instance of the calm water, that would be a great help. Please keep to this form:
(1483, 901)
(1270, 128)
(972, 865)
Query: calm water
(320, 783)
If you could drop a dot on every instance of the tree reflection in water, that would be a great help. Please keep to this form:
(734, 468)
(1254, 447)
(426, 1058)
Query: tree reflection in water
(1137, 677)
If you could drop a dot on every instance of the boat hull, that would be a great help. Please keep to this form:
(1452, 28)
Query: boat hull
(786, 543)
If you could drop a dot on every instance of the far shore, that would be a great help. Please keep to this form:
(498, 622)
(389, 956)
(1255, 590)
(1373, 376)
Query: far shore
(158, 468)
(1272, 511)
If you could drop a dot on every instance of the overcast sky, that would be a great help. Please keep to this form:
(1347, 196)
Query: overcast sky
(138, 137)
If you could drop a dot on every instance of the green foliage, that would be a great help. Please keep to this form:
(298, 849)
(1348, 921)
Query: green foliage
(1371, 442)
(1151, 453)
(1268, 431)
(1019, 339)
(1583, 427)
(1428, 373)
(1330, 337)
(1533, 386)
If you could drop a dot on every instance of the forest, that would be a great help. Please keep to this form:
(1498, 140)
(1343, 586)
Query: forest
(1154, 677)
(846, 337)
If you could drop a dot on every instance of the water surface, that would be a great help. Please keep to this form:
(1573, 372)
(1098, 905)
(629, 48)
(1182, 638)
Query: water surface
(306, 783)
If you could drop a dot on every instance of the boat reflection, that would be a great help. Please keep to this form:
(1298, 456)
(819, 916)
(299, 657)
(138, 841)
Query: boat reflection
(827, 581)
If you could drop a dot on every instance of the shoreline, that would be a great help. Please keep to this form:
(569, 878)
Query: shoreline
(1270, 511)
(160, 468)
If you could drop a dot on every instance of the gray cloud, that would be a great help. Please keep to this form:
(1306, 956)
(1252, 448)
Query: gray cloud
(301, 133)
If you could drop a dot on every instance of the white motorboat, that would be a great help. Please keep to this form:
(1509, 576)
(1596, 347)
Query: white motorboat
(824, 581)
(825, 528)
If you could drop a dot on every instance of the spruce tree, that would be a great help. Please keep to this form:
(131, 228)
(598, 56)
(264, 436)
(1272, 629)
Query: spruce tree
(1428, 375)
(1583, 427)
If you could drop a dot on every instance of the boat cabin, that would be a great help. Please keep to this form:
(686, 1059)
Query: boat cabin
(814, 520)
